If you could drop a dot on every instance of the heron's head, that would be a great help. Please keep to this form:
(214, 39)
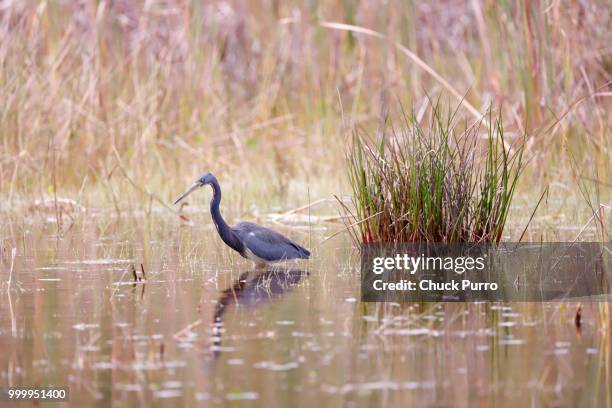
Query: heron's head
(204, 179)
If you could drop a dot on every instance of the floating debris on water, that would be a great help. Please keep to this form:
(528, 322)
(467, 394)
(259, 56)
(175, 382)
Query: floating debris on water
(101, 261)
(161, 394)
(376, 386)
(503, 308)
(139, 365)
(128, 387)
(85, 326)
(420, 331)
(140, 337)
(511, 342)
(172, 384)
(242, 396)
(272, 366)
(285, 323)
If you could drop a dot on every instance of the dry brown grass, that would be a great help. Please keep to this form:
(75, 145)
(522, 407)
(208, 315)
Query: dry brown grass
(263, 94)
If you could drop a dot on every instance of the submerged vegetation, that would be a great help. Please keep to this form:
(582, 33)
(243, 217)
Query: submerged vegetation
(434, 182)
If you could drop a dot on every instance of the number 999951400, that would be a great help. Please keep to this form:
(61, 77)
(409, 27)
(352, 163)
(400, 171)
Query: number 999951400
(8, 394)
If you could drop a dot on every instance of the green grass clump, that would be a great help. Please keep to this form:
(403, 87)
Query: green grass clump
(433, 182)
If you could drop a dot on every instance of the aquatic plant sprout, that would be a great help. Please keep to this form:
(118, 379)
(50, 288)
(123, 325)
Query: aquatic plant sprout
(435, 181)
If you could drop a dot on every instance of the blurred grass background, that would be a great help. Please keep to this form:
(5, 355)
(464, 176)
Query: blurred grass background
(98, 97)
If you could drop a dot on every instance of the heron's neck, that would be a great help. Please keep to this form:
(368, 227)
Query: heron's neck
(225, 232)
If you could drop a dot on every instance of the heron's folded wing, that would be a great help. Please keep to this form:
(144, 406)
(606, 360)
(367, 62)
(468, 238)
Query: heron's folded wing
(268, 244)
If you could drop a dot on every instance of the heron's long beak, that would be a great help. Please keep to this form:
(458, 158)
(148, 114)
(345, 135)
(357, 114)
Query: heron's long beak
(190, 190)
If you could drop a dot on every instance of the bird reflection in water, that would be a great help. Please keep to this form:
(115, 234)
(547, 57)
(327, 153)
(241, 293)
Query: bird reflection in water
(253, 289)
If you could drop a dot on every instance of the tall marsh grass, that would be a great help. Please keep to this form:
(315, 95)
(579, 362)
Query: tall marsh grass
(433, 180)
(158, 91)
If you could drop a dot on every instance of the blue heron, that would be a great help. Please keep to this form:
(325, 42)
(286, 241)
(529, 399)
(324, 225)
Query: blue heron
(259, 244)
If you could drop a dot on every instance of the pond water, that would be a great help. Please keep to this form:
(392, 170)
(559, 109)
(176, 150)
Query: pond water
(204, 328)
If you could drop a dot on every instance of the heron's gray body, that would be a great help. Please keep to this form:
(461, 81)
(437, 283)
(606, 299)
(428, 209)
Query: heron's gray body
(259, 244)
(263, 245)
